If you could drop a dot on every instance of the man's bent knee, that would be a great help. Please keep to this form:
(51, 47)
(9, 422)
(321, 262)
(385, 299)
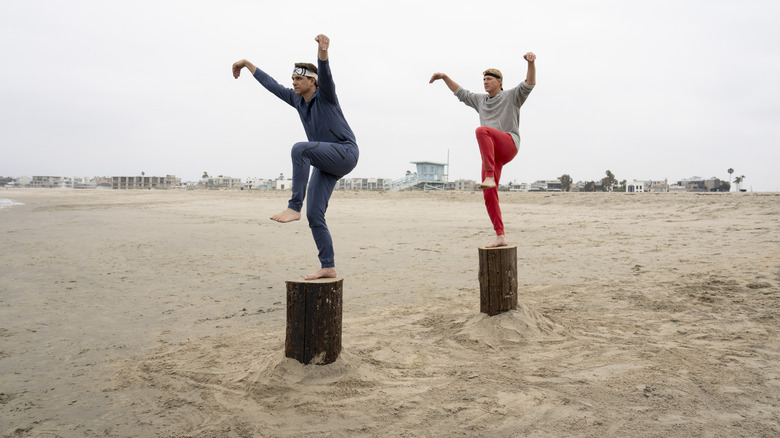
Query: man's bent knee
(482, 130)
(299, 148)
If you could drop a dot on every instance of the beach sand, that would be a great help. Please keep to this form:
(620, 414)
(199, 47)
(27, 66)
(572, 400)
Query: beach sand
(162, 313)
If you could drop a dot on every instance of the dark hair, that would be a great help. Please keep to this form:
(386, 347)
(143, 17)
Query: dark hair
(307, 66)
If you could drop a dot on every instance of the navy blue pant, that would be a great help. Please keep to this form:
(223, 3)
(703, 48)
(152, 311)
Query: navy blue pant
(330, 161)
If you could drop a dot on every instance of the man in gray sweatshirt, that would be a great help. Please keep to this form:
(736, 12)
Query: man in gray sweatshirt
(498, 135)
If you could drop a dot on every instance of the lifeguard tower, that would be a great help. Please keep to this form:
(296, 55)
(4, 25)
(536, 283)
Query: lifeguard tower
(429, 176)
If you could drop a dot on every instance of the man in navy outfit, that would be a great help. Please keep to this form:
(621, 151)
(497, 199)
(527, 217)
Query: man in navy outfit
(331, 151)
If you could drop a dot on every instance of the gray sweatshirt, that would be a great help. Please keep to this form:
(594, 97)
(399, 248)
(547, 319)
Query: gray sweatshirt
(502, 111)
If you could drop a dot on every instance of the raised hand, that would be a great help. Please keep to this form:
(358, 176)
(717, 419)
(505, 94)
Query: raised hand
(237, 66)
(436, 77)
(322, 48)
(323, 41)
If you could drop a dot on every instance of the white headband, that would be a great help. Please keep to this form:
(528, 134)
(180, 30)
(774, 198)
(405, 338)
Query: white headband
(304, 72)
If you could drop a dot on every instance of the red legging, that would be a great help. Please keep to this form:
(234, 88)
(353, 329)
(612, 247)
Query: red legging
(497, 148)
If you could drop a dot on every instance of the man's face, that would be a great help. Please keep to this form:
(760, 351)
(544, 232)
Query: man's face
(492, 85)
(302, 84)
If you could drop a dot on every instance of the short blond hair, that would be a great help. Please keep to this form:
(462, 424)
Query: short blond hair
(493, 71)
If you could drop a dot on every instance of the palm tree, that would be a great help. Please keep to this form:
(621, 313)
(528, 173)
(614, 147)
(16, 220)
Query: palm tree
(738, 181)
(730, 171)
(609, 181)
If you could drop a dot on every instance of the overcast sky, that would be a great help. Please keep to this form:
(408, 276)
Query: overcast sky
(648, 90)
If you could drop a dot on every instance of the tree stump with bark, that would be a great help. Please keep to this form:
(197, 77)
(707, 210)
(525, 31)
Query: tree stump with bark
(497, 279)
(314, 320)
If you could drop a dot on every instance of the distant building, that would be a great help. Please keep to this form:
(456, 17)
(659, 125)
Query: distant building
(281, 184)
(47, 182)
(83, 183)
(144, 182)
(222, 182)
(636, 187)
(468, 185)
(519, 187)
(693, 184)
(698, 184)
(545, 185)
(554, 185)
(362, 183)
(256, 183)
(658, 186)
(103, 182)
(20, 182)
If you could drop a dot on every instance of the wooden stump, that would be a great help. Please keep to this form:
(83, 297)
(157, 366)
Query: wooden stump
(314, 320)
(497, 279)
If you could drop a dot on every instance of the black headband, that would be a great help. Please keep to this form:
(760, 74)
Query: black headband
(493, 74)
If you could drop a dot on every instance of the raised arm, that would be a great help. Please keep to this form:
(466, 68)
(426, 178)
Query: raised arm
(325, 84)
(238, 65)
(323, 42)
(530, 75)
(452, 85)
(270, 84)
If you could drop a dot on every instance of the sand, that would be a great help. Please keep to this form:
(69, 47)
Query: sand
(162, 313)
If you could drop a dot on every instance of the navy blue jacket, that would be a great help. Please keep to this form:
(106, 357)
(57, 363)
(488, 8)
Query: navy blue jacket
(321, 116)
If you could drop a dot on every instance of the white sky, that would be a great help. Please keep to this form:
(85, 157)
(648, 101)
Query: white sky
(650, 90)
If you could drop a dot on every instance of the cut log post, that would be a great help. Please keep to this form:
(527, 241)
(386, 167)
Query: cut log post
(497, 279)
(314, 320)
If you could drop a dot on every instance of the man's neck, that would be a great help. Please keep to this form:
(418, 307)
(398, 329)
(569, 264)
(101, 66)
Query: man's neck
(307, 97)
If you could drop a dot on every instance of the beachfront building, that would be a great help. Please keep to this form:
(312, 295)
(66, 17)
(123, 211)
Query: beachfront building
(698, 184)
(515, 186)
(658, 186)
(144, 182)
(83, 183)
(281, 184)
(544, 185)
(362, 183)
(256, 183)
(554, 185)
(47, 182)
(103, 182)
(222, 182)
(636, 186)
(60, 182)
(22, 181)
(468, 185)
(641, 186)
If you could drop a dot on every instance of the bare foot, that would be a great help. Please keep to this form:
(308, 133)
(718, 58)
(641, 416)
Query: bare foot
(500, 241)
(488, 183)
(322, 273)
(287, 215)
